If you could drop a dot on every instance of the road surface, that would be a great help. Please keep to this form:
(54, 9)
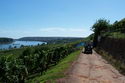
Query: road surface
(92, 69)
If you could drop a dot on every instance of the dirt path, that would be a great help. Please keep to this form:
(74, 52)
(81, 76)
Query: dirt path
(92, 69)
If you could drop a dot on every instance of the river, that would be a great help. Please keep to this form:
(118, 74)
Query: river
(18, 44)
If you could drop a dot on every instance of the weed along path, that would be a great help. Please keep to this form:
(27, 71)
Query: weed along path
(92, 69)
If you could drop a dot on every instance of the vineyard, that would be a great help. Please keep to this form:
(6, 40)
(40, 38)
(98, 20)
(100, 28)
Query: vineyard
(33, 60)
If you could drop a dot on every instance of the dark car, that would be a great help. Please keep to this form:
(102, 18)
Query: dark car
(88, 49)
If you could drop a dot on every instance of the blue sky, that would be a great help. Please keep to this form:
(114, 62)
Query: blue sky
(68, 18)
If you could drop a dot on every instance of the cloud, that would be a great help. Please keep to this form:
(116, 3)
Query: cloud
(46, 32)
(68, 32)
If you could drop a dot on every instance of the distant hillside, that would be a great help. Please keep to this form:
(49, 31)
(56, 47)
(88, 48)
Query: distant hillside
(5, 40)
(51, 39)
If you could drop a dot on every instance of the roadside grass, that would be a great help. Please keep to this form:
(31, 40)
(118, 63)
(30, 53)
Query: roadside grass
(57, 71)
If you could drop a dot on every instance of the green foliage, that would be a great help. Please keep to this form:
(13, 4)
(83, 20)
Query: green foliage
(116, 35)
(32, 60)
(89, 38)
(11, 70)
(55, 72)
(100, 27)
(111, 44)
(119, 26)
(6, 40)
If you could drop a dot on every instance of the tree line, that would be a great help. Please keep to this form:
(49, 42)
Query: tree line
(6, 40)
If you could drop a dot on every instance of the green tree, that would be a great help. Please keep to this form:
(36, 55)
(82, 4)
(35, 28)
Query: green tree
(119, 26)
(99, 28)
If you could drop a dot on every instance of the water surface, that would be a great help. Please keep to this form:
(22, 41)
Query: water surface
(18, 44)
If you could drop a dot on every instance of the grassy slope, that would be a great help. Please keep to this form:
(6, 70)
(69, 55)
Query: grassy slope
(56, 71)
(116, 35)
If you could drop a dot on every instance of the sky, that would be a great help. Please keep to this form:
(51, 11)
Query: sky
(58, 18)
